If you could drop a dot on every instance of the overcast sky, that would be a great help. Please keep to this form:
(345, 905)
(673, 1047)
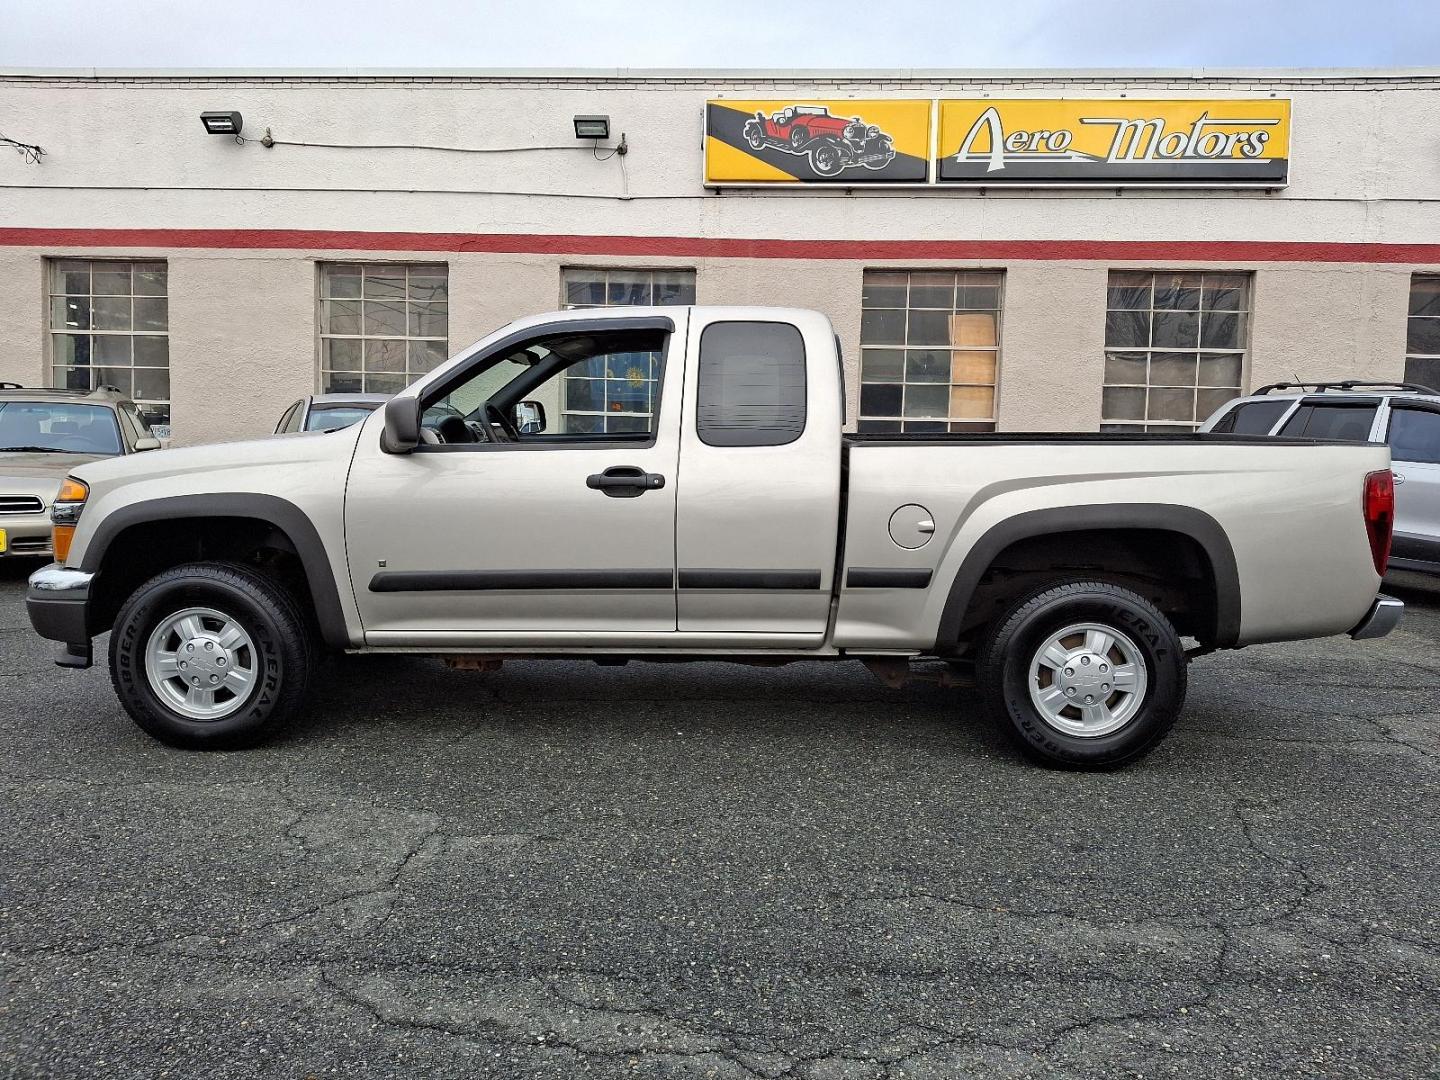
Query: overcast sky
(719, 33)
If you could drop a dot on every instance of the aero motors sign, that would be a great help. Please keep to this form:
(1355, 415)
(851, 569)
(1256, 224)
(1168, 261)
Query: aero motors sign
(1016, 142)
(1115, 142)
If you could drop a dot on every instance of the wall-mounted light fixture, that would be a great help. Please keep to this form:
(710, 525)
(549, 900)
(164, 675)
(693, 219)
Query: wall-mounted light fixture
(592, 127)
(222, 123)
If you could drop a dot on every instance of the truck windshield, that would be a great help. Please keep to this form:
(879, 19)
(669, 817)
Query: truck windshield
(58, 427)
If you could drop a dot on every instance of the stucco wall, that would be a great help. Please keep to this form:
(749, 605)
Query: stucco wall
(128, 152)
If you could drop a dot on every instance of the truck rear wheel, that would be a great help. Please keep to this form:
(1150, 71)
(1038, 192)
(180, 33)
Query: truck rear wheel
(210, 656)
(1083, 675)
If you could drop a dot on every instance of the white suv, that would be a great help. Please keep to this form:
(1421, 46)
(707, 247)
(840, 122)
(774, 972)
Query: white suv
(1404, 415)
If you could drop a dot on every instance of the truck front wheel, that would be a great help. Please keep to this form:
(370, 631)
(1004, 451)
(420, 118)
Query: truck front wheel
(210, 656)
(1083, 674)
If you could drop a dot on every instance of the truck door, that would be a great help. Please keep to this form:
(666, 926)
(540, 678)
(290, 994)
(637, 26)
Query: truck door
(759, 502)
(541, 508)
(1414, 439)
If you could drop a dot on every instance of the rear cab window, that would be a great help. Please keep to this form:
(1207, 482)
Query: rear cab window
(751, 384)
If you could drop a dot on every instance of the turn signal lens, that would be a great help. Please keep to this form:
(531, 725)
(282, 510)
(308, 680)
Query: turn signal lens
(1379, 504)
(64, 513)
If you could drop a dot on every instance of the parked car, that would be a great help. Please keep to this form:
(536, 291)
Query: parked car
(832, 143)
(329, 412)
(1059, 573)
(1404, 415)
(333, 412)
(43, 435)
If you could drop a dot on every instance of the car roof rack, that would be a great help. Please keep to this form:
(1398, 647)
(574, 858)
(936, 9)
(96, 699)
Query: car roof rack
(104, 390)
(1346, 385)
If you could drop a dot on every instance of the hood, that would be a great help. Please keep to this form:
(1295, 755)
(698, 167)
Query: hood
(284, 451)
(34, 472)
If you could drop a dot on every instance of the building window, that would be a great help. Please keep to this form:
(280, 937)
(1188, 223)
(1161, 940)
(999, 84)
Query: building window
(110, 326)
(382, 325)
(617, 392)
(1422, 332)
(929, 350)
(1174, 348)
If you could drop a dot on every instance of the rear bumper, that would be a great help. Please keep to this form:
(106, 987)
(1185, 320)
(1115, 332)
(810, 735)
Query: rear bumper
(1384, 615)
(57, 602)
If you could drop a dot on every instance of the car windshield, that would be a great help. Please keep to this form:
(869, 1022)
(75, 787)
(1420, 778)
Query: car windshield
(58, 427)
(333, 417)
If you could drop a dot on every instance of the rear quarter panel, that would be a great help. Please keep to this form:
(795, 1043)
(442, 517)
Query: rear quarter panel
(1292, 513)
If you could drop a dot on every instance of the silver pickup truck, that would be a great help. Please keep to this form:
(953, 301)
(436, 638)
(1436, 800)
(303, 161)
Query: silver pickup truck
(673, 483)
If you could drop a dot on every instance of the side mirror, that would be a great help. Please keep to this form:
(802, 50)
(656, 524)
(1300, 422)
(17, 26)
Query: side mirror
(146, 444)
(402, 425)
(528, 417)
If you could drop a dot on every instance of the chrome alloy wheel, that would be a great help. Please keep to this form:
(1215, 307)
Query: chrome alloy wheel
(201, 663)
(1087, 680)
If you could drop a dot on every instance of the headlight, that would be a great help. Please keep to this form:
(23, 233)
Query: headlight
(872, 131)
(854, 131)
(65, 514)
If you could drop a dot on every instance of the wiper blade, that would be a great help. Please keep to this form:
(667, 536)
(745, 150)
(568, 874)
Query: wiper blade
(37, 450)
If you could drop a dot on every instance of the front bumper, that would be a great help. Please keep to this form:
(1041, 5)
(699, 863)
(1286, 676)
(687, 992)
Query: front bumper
(1384, 615)
(57, 602)
(26, 535)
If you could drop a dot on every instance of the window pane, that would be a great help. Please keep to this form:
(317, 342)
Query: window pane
(1219, 331)
(342, 316)
(429, 284)
(1177, 292)
(150, 279)
(927, 401)
(384, 319)
(973, 368)
(152, 313)
(1129, 292)
(72, 350)
(1425, 295)
(341, 281)
(584, 395)
(1123, 403)
(1208, 401)
(674, 287)
(429, 320)
(978, 292)
(1415, 436)
(120, 378)
(110, 312)
(1127, 329)
(883, 290)
(932, 290)
(584, 288)
(152, 383)
(384, 355)
(628, 288)
(929, 328)
(882, 365)
(1222, 369)
(882, 328)
(1125, 368)
(384, 283)
(1223, 292)
(972, 401)
(880, 399)
(1172, 369)
(972, 329)
(341, 354)
(110, 278)
(72, 277)
(1423, 336)
(1176, 330)
(1171, 405)
(927, 366)
(426, 356)
(112, 349)
(878, 427)
(342, 382)
(70, 313)
(384, 384)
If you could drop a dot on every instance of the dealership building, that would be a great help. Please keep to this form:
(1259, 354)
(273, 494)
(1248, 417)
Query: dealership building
(1013, 251)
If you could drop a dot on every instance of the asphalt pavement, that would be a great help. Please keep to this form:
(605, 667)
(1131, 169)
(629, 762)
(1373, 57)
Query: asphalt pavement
(563, 870)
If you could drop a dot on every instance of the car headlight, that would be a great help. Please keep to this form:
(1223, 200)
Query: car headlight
(65, 515)
(872, 131)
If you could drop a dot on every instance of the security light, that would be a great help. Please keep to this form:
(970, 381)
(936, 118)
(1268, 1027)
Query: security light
(592, 127)
(222, 123)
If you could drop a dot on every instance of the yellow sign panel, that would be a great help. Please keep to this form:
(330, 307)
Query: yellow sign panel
(1027, 141)
(791, 141)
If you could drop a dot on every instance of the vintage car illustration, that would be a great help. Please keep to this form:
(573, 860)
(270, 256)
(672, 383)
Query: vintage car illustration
(833, 143)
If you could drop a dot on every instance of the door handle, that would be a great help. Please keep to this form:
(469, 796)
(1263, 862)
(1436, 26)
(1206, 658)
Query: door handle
(625, 481)
(1399, 477)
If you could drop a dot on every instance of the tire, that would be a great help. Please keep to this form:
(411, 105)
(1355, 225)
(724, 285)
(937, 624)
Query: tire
(799, 136)
(753, 136)
(263, 646)
(1122, 724)
(827, 159)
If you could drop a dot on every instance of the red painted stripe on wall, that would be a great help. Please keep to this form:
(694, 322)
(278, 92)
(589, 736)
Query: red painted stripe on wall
(726, 247)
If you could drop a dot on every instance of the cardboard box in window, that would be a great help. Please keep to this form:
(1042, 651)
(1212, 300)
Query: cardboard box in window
(975, 368)
(972, 329)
